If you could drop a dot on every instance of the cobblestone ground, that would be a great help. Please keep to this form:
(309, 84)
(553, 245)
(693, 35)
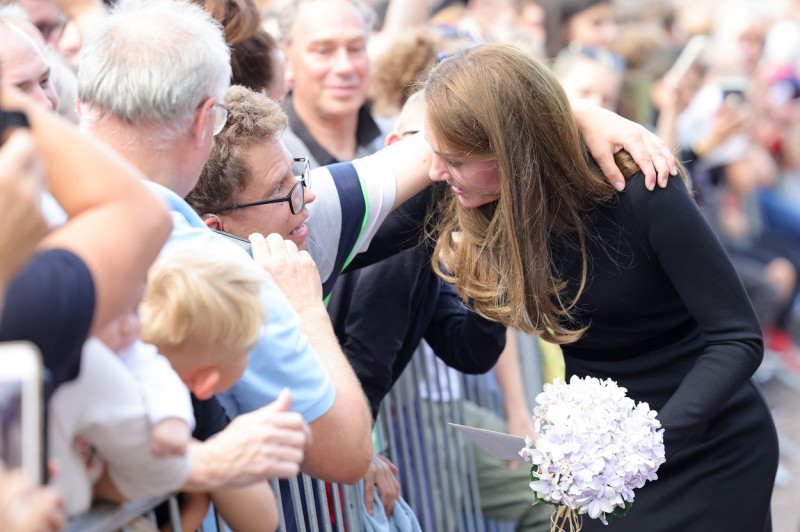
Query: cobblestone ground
(783, 395)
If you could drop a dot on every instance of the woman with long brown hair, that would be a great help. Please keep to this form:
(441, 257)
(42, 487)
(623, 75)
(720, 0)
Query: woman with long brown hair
(633, 284)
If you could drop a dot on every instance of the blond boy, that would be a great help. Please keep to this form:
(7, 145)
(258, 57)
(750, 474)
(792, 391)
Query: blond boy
(202, 310)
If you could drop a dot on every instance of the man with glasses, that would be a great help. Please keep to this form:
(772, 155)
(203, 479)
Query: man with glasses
(250, 174)
(296, 196)
(297, 183)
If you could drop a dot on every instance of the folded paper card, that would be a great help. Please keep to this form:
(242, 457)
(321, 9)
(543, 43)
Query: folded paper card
(498, 444)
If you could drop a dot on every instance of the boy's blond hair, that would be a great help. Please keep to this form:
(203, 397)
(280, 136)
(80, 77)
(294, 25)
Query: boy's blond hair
(200, 297)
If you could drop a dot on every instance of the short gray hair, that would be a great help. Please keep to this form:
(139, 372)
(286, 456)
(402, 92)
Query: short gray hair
(287, 14)
(154, 61)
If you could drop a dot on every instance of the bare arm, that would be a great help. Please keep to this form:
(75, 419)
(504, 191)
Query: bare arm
(194, 508)
(509, 378)
(116, 226)
(404, 14)
(669, 107)
(345, 429)
(248, 509)
(410, 159)
(21, 174)
(731, 119)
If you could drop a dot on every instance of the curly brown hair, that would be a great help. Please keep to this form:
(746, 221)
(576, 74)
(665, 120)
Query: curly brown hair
(401, 70)
(254, 118)
(397, 73)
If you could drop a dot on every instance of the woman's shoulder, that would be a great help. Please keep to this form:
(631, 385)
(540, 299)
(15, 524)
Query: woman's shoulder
(661, 212)
(676, 195)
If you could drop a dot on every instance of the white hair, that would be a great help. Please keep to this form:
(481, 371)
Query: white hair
(153, 62)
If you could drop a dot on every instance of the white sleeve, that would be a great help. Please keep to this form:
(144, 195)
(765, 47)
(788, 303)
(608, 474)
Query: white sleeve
(104, 406)
(324, 222)
(380, 185)
(343, 219)
(165, 395)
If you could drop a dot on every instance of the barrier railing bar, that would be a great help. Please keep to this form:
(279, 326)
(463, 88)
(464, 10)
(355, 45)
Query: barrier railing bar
(273, 482)
(413, 426)
(174, 514)
(106, 516)
(297, 505)
(403, 441)
(469, 465)
(351, 506)
(426, 406)
(311, 505)
(320, 489)
(337, 507)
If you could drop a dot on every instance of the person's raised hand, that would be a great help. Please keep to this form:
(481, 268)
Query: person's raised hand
(607, 133)
(292, 270)
(267, 443)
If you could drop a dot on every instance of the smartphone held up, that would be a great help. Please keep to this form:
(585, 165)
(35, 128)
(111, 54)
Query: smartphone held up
(22, 409)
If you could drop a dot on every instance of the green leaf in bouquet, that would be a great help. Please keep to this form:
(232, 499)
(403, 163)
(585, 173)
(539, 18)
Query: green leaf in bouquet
(619, 511)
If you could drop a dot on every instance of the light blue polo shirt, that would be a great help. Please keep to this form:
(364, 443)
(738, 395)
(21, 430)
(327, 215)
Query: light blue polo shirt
(283, 356)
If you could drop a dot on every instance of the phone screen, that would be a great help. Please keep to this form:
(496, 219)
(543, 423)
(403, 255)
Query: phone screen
(22, 431)
(11, 422)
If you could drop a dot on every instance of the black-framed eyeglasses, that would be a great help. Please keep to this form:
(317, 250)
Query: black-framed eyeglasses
(296, 196)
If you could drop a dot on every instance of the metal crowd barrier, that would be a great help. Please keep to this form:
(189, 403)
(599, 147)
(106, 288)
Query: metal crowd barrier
(108, 517)
(437, 470)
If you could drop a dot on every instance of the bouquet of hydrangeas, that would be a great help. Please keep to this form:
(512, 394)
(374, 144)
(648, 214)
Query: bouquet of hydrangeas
(594, 447)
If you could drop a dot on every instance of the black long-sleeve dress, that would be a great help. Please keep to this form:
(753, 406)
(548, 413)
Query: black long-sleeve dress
(670, 321)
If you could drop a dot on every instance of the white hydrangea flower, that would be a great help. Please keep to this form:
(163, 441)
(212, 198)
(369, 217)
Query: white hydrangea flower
(595, 446)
